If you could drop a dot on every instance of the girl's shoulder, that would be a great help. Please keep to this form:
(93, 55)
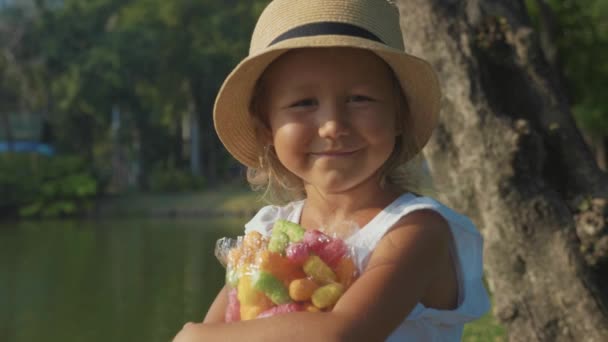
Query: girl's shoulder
(466, 250)
(264, 219)
(414, 203)
(468, 241)
(409, 203)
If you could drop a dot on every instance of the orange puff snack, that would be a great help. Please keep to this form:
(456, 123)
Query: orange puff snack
(292, 270)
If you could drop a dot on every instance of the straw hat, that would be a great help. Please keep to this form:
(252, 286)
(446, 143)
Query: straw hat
(290, 24)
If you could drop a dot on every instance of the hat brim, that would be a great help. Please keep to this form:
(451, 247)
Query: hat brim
(233, 121)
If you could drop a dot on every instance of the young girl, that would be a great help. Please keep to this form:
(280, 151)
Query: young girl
(329, 113)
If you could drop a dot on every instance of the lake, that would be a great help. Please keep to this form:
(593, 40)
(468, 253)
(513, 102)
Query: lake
(123, 280)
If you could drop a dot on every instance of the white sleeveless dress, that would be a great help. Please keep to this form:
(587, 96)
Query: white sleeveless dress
(423, 323)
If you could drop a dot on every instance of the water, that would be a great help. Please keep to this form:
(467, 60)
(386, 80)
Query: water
(136, 280)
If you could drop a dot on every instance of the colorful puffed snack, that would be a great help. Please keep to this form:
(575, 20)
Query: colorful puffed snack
(291, 270)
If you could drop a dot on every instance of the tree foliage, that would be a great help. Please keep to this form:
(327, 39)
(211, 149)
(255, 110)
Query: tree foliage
(156, 61)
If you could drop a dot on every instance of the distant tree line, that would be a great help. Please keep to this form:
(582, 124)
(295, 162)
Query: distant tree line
(157, 63)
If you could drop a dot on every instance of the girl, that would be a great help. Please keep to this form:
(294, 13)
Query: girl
(329, 114)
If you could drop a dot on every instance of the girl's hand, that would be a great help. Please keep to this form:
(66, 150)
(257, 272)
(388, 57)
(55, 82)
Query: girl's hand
(190, 332)
(194, 331)
(217, 311)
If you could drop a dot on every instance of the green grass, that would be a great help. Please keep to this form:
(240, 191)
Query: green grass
(485, 329)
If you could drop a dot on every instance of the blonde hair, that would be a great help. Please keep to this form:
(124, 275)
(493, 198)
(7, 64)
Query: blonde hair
(402, 171)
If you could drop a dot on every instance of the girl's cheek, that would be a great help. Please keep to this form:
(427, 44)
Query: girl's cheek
(294, 126)
(285, 118)
(291, 134)
(376, 123)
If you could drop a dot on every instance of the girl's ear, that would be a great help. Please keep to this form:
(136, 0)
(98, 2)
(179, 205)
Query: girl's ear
(266, 136)
(263, 132)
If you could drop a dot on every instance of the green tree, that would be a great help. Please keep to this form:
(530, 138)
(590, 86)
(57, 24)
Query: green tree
(574, 36)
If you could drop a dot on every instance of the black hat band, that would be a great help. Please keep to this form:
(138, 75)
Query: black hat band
(326, 28)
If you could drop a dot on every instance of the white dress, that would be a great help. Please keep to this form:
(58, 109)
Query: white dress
(422, 324)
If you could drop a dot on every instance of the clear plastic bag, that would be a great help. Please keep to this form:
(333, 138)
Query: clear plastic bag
(292, 270)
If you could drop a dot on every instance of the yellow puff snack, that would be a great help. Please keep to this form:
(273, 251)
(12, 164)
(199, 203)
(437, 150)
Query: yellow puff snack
(248, 295)
(319, 271)
(302, 289)
(311, 308)
(251, 311)
(327, 295)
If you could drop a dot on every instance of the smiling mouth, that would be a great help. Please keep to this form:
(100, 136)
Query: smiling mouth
(334, 153)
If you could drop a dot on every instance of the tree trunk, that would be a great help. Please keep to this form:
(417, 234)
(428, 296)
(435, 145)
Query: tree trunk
(209, 141)
(195, 141)
(6, 127)
(508, 154)
(7, 102)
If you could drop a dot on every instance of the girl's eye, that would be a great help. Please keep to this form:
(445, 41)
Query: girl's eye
(304, 103)
(359, 98)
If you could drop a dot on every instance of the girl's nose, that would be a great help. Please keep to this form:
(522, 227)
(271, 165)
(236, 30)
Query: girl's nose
(333, 123)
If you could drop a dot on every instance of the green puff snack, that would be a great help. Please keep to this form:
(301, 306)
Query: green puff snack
(278, 242)
(294, 231)
(272, 287)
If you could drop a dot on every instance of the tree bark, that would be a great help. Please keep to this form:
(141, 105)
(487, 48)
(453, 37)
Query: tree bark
(508, 154)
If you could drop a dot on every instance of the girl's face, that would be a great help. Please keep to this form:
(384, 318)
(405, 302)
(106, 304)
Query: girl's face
(332, 116)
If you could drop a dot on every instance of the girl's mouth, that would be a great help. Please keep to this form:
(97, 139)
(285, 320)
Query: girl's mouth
(335, 153)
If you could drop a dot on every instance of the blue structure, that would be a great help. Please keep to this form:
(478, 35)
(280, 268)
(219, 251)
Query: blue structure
(30, 133)
(27, 147)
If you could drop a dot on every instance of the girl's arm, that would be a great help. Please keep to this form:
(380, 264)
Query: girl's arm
(217, 311)
(404, 264)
